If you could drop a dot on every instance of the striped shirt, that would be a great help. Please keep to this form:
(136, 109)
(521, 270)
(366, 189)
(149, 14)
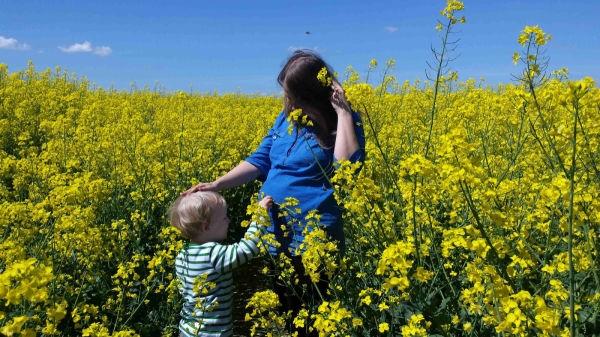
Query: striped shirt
(206, 283)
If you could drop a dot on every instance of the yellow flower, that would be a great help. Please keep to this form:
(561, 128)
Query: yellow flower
(534, 34)
(423, 275)
(300, 318)
(516, 58)
(383, 327)
(13, 326)
(298, 119)
(324, 78)
(453, 6)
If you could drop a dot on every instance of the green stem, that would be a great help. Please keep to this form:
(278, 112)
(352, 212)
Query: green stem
(531, 85)
(416, 233)
(570, 244)
(140, 304)
(437, 85)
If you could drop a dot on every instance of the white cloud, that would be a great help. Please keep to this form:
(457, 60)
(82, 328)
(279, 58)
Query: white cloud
(390, 29)
(86, 47)
(10, 43)
(102, 50)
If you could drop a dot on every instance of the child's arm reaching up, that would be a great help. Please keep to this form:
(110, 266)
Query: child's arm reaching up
(224, 258)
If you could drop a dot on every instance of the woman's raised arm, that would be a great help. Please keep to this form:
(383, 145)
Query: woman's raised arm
(346, 143)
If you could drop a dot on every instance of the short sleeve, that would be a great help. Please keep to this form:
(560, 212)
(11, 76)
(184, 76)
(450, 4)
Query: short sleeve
(261, 157)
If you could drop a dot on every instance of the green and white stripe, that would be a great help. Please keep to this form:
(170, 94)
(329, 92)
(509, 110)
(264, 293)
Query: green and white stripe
(215, 261)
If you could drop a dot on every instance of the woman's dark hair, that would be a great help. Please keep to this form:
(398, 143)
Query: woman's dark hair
(302, 90)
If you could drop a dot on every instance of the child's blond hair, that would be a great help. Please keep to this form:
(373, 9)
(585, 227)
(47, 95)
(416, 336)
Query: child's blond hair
(188, 213)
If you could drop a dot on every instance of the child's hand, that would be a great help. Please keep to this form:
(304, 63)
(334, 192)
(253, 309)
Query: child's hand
(266, 202)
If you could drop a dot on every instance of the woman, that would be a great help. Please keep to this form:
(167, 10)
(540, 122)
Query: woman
(300, 164)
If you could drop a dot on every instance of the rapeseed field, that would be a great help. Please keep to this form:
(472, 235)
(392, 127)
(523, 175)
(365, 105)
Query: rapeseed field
(476, 212)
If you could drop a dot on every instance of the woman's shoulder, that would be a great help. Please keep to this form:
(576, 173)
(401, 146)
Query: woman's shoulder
(281, 122)
(280, 118)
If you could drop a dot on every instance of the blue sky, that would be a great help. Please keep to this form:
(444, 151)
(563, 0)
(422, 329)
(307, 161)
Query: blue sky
(226, 45)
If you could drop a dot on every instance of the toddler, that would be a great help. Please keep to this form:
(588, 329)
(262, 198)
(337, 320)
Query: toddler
(204, 266)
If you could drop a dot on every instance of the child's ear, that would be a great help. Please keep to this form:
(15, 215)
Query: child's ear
(204, 226)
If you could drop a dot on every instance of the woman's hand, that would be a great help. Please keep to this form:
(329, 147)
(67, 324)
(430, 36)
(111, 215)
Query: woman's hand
(266, 202)
(202, 187)
(338, 99)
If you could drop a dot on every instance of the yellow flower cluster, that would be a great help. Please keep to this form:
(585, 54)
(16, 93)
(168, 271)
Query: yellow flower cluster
(395, 262)
(415, 327)
(25, 283)
(298, 119)
(531, 37)
(264, 309)
(332, 319)
(452, 6)
(534, 33)
(324, 78)
(318, 253)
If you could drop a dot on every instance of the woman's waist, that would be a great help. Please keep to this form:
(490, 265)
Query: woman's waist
(298, 178)
(301, 201)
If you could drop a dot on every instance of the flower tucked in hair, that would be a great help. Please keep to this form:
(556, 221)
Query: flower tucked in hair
(323, 78)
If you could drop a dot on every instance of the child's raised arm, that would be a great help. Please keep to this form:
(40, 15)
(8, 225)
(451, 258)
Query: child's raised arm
(225, 258)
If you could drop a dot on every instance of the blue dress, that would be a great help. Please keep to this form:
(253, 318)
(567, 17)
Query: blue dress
(289, 168)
